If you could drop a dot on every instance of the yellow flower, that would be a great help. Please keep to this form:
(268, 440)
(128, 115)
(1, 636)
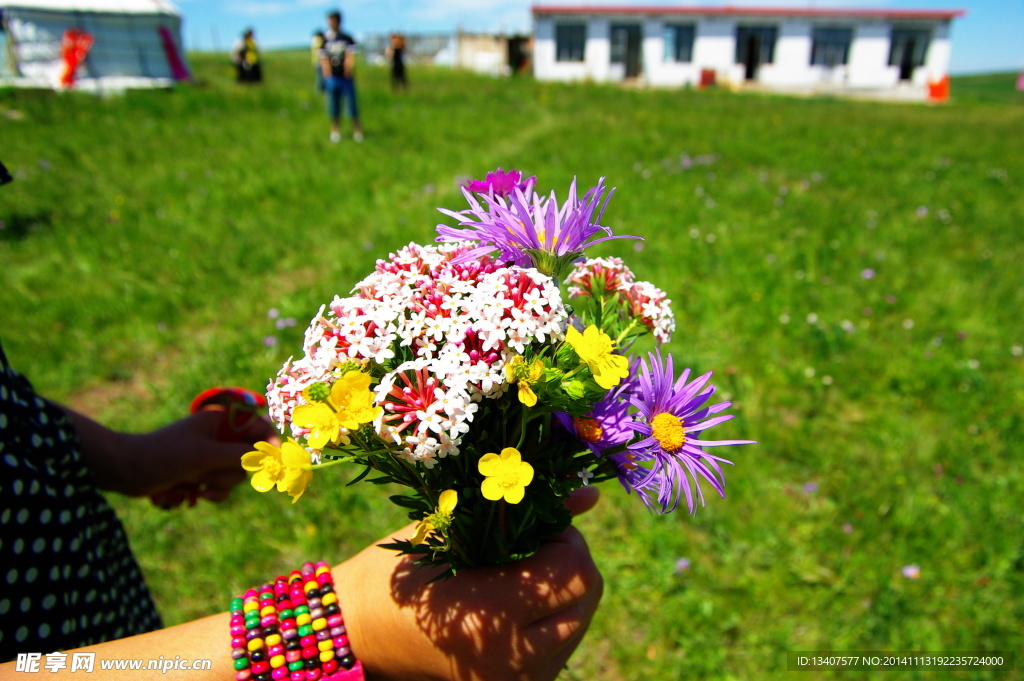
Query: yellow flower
(440, 519)
(350, 404)
(322, 422)
(505, 476)
(518, 372)
(287, 467)
(595, 348)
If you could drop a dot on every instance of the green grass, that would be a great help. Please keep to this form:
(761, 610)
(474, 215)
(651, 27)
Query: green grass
(147, 236)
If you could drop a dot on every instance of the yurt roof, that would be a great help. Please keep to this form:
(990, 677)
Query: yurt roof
(114, 6)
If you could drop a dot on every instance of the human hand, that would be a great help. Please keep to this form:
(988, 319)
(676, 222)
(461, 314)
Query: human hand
(185, 456)
(514, 622)
(209, 454)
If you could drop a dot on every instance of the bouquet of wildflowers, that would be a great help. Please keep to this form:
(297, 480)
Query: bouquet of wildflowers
(489, 375)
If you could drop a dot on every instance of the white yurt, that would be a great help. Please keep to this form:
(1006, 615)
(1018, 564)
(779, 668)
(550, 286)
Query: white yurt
(105, 44)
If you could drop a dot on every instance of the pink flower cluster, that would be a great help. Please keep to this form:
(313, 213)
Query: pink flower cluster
(646, 302)
(440, 332)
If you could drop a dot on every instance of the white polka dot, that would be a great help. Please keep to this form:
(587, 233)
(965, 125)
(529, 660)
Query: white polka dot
(67, 572)
(97, 618)
(19, 546)
(26, 604)
(75, 543)
(54, 573)
(11, 460)
(83, 621)
(91, 596)
(21, 634)
(49, 601)
(33, 487)
(22, 516)
(31, 575)
(65, 517)
(38, 545)
(65, 628)
(5, 517)
(18, 487)
(12, 575)
(3, 420)
(36, 440)
(5, 605)
(80, 512)
(44, 630)
(45, 516)
(43, 418)
(83, 570)
(57, 544)
(69, 490)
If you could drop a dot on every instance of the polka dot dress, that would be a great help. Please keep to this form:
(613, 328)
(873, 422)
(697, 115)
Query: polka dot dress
(67, 575)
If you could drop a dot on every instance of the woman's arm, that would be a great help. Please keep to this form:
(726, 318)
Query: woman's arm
(517, 622)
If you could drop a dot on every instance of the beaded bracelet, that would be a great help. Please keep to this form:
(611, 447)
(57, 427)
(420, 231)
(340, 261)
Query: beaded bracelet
(292, 629)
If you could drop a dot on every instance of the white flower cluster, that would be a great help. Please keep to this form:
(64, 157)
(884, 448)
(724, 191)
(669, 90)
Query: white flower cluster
(646, 301)
(442, 333)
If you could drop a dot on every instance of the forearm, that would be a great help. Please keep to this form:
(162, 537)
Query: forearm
(105, 451)
(194, 642)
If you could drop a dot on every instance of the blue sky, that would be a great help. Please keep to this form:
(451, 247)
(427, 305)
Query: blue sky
(988, 38)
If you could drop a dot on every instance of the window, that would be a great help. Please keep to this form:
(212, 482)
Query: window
(908, 47)
(831, 46)
(755, 44)
(569, 42)
(678, 42)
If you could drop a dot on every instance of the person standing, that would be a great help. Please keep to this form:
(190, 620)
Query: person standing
(337, 62)
(316, 45)
(396, 53)
(245, 55)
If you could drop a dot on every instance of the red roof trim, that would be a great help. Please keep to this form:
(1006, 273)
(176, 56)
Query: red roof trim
(753, 11)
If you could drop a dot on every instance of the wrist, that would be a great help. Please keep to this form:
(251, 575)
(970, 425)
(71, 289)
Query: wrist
(292, 630)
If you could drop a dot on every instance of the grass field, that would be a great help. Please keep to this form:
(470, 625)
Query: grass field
(848, 269)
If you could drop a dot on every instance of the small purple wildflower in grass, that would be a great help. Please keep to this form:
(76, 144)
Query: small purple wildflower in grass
(867, 273)
(682, 565)
(810, 487)
(501, 183)
(911, 571)
(273, 313)
(847, 528)
(280, 324)
(960, 335)
(668, 463)
(270, 341)
(921, 212)
(891, 299)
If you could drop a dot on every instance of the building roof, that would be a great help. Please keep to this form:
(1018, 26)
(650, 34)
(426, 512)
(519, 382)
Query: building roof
(730, 10)
(108, 6)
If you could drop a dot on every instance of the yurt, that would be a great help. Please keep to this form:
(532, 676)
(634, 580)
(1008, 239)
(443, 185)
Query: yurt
(99, 45)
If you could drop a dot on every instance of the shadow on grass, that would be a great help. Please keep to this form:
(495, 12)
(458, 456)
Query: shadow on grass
(19, 227)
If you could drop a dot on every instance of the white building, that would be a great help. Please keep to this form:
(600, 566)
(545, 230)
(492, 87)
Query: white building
(795, 49)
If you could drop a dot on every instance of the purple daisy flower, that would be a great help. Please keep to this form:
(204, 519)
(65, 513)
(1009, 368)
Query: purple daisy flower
(668, 454)
(502, 183)
(606, 426)
(531, 231)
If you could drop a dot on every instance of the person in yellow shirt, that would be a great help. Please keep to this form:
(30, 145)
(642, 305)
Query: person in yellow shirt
(245, 55)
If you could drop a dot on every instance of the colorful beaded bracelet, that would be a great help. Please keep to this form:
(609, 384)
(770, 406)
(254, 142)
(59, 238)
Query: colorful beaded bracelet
(292, 629)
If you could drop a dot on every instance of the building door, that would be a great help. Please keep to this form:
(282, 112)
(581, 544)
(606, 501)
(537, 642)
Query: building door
(753, 57)
(625, 48)
(755, 46)
(908, 50)
(907, 62)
